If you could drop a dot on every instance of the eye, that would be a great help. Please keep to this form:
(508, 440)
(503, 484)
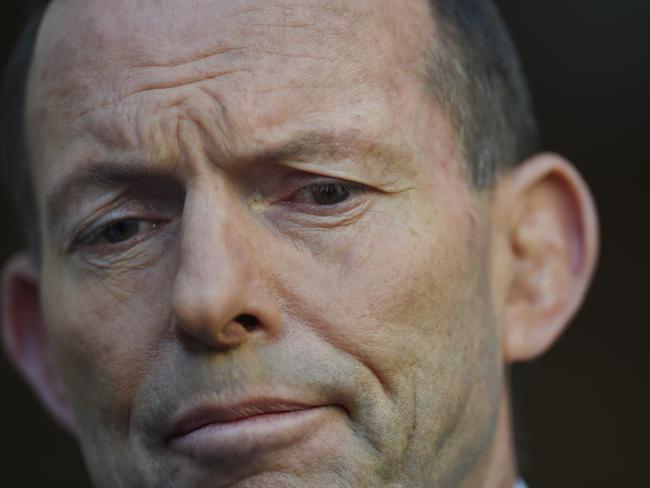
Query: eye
(118, 231)
(122, 230)
(325, 194)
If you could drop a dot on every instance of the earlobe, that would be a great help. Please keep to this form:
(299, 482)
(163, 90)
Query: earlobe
(549, 241)
(25, 336)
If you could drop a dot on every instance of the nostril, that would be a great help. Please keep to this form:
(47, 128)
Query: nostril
(248, 321)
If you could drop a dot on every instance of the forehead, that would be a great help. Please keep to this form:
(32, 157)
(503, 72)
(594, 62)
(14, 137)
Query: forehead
(95, 47)
(261, 64)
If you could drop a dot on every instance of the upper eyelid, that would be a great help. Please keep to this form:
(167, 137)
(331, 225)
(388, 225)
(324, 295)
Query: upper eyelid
(353, 186)
(89, 236)
(99, 228)
(350, 186)
(153, 196)
(319, 180)
(358, 201)
(298, 178)
(85, 233)
(104, 250)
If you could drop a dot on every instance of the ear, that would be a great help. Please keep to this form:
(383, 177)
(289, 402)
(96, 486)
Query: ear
(546, 245)
(25, 336)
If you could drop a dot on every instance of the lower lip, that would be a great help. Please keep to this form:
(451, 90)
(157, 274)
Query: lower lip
(224, 440)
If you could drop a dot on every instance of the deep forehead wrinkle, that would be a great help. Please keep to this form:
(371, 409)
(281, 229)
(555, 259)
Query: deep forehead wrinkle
(242, 54)
(305, 147)
(125, 31)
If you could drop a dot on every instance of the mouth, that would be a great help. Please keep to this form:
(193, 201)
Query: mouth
(218, 431)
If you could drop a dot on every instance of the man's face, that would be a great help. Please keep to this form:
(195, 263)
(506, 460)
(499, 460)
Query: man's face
(258, 200)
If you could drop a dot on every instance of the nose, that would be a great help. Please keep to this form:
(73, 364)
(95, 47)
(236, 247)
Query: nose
(221, 299)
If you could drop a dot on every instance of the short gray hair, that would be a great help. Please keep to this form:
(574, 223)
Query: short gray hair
(475, 74)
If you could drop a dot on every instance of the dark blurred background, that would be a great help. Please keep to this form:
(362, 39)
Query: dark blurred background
(582, 410)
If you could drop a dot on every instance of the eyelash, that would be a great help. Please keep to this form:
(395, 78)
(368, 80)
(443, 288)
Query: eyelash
(93, 237)
(333, 186)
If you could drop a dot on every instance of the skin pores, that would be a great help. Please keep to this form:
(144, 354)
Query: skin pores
(227, 119)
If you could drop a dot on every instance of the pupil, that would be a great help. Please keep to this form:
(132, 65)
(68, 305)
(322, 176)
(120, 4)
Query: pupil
(331, 194)
(120, 231)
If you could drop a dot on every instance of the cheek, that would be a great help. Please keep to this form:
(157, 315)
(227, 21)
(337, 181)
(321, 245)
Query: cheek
(406, 297)
(106, 337)
(395, 289)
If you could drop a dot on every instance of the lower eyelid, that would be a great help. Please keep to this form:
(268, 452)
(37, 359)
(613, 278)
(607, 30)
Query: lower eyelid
(334, 214)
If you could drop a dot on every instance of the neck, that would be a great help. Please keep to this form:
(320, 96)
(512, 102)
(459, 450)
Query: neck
(502, 467)
(499, 467)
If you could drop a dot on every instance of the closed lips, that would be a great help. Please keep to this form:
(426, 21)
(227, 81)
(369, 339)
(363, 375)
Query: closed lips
(211, 414)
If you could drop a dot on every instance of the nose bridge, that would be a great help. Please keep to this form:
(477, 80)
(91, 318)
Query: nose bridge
(220, 296)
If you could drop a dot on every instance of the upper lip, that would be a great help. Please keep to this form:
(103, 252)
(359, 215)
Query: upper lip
(213, 412)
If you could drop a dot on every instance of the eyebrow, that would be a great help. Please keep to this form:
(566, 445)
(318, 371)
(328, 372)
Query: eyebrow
(109, 175)
(98, 175)
(310, 145)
